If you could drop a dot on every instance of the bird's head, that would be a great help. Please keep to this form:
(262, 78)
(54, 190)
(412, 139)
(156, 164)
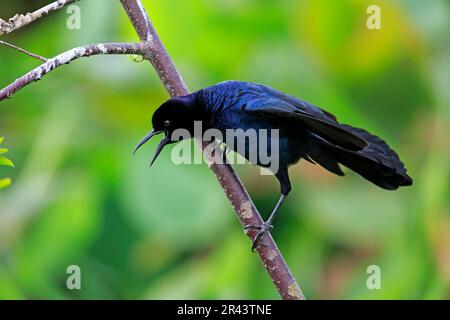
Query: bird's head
(175, 113)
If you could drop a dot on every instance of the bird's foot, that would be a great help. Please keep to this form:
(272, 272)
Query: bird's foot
(263, 229)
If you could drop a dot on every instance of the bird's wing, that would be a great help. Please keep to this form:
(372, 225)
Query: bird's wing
(313, 118)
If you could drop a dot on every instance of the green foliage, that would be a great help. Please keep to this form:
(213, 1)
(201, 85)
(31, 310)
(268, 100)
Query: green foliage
(168, 232)
(4, 182)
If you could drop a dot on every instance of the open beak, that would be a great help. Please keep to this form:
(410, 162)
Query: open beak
(145, 139)
(160, 146)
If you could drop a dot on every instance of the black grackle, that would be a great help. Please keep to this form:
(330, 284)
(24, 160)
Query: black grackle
(305, 131)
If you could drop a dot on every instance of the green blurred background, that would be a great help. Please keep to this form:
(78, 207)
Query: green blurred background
(78, 197)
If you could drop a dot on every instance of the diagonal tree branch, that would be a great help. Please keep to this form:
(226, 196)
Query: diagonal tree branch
(20, 20)
(270, 255)
(67, 57)
(152, 49)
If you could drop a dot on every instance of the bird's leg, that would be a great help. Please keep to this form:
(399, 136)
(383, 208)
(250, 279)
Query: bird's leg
(266, 226)
(283, 176)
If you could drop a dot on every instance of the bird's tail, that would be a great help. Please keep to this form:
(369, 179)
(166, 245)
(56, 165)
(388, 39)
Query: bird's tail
(377, 162)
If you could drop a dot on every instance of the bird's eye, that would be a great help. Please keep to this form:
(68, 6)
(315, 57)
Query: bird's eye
(166, 123)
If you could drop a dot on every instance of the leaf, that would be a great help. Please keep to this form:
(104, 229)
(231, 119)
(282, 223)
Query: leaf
(5, 182)
(6, 162)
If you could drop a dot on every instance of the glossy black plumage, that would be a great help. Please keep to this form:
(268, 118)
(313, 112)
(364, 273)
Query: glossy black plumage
(305, 131)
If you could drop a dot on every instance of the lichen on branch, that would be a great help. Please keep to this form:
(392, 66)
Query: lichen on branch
(67, 57)
(20, 20)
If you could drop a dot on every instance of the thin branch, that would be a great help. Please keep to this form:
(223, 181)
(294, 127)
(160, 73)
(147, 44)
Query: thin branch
(67, 57)
(246, 211)
(33, 55)
(20, 20)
